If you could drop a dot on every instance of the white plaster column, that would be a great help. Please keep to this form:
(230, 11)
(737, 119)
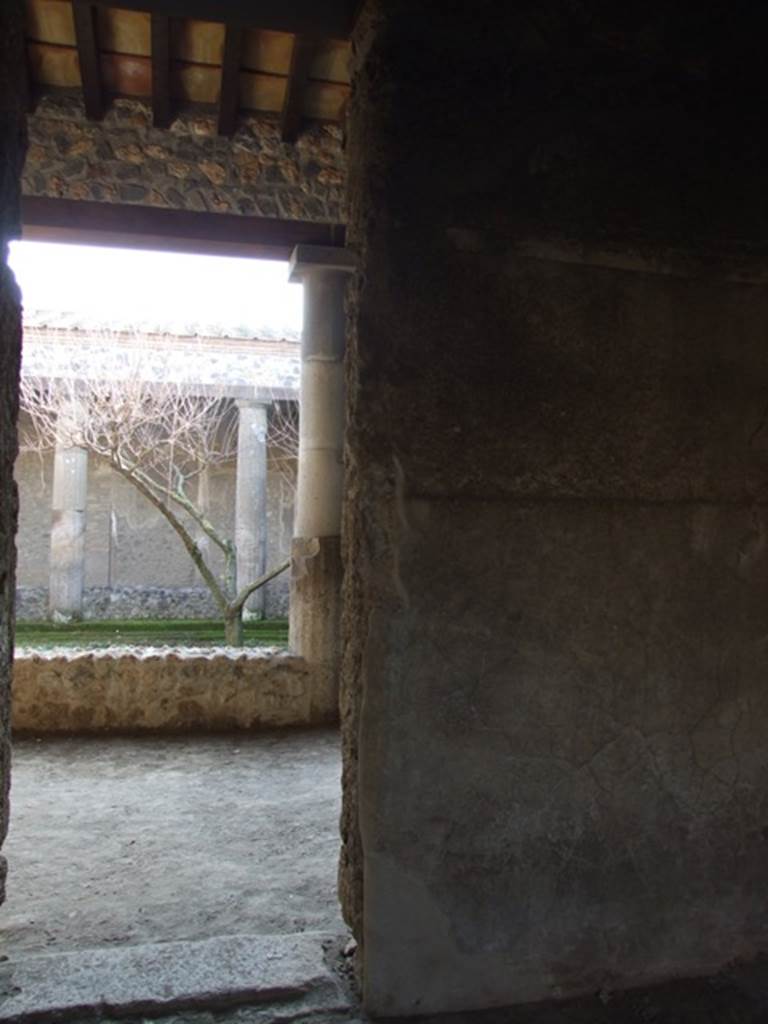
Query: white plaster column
(203, 502)
(70, 494)
(251, 500)
(316, 570)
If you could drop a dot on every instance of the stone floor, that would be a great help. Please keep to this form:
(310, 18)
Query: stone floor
(131, 841)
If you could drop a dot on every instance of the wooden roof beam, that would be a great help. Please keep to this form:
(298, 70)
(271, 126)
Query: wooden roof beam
(161, 71)
(290, 118)
(229, 95)
(332, 19)
(86, 36)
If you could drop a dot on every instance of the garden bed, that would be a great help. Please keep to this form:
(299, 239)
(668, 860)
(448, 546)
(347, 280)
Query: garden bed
(146, 633)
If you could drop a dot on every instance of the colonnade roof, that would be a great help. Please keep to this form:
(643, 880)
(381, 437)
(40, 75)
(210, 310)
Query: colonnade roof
(244, 367)
(176, 331)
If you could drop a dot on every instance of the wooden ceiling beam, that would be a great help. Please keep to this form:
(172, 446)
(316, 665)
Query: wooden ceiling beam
(86, 37)
(332, 19)
(229, 94)
(290, 118)
(161, 71)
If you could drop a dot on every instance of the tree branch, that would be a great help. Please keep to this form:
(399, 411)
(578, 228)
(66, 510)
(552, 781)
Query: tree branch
(180, 498)
(246, 592)
(192, 549)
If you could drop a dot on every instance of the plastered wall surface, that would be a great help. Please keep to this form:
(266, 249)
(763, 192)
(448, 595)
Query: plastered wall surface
(10, 349)
(554, 706)
(12, 146)
(128, 691)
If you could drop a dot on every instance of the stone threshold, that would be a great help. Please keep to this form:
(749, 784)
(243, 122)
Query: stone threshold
(289, 972)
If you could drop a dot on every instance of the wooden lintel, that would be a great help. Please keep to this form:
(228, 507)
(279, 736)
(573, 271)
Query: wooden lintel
(86, 36)
(144, 227)
(290, 118)
(332, 19)
(229, 95)
(161, 71)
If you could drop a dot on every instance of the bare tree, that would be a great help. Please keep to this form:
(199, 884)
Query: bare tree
(284, 441)
(161, 436)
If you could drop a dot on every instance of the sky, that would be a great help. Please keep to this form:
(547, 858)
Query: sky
(129, 284)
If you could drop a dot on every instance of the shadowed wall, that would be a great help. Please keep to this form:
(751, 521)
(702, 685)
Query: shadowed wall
(12, 143)
(554, 702)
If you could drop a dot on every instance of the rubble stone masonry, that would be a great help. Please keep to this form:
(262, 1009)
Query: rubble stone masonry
(123, 159)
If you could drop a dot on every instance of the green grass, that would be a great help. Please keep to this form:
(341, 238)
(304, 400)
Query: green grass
(147, 633)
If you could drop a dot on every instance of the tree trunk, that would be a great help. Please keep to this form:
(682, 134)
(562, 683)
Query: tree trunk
(233, 627)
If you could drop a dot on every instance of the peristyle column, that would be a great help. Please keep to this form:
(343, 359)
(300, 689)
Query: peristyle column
(70, 492)
(251, 501)
(203, 501)
(316, 551)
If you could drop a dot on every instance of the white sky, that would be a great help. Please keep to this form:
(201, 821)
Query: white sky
(129, 284)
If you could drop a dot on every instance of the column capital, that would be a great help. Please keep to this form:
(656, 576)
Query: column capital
(308, 259)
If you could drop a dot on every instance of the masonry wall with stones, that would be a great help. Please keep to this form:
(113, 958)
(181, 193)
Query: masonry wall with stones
(123, 159)
(130, 691)
(59, 345)
(555, 707)
(12, 143)
(136, 567)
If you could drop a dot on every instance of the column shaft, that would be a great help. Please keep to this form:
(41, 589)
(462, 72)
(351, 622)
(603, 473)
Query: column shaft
(317, 569)
(251, 501)
(203, 501)
(321, 424)
(67, 564)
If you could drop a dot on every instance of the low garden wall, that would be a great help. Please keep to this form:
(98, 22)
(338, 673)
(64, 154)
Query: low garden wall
(161, 690)
(104, 603)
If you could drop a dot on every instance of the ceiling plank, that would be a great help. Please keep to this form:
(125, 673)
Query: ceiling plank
(145, 227)
(332, 19)
(229, 94)
(301, 58)
(86, 35)
(161, 71)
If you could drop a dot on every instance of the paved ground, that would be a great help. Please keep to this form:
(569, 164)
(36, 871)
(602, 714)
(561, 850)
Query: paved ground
(151, 840)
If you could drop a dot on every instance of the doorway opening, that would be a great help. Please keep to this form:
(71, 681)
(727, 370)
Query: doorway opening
(154, 799)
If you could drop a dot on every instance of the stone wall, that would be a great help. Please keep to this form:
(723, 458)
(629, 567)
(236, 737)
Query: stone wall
(12, 144)
(555, 710)
(102, 603)
(123, 159)
(130, 691)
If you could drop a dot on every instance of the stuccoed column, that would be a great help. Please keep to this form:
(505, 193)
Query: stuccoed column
(316, 551)
(70, 493)
(203, 501)
(251, 501)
